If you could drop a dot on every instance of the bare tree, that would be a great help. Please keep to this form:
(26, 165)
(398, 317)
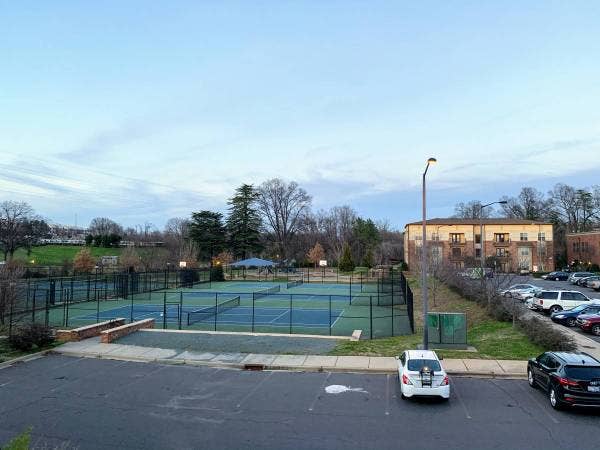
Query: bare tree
(283, 206)
(336, 227)
(10, 273)
(104, 226)
(472, 210)
(529, 205)
(19, 227)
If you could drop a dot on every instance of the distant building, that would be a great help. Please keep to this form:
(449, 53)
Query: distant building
(508, 244)
(583, 248)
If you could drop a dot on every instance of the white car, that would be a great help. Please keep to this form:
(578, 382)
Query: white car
(555, 301)
(520, 291)
(421, 374)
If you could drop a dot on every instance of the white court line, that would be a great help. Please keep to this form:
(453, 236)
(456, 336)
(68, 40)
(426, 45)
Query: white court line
(280, 316)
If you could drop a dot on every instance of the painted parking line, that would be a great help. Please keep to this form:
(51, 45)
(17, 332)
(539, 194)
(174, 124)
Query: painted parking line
(529, 392)
(459, 397)
(253, 390)
(319, 392)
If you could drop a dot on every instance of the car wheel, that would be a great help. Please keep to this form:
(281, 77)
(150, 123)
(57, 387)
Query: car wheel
(553, 397)
(555, 309)
(571, 322)
(596, 330)
(530, 379)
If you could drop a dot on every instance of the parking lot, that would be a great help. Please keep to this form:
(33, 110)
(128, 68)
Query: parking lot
(94, 404)
(561, 285)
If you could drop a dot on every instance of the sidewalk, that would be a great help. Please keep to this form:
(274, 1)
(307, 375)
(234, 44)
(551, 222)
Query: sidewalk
(313, 363)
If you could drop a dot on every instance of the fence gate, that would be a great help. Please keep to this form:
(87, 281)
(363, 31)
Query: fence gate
(447, 330)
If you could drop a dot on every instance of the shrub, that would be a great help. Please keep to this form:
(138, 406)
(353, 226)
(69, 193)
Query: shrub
(24, 338)
(403, 266)
(546, 336)
(21, 442)
(216, 273)
(84, 262)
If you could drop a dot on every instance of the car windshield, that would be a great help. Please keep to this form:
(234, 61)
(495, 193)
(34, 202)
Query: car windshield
(582, 373)
(416, 365)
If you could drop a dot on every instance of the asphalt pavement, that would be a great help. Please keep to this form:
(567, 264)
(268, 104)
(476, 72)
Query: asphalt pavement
(91, 403)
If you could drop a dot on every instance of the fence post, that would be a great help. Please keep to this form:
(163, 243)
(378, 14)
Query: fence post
(98, 310)
(330, 315)
(33, 309)
(180, 307)
(291, 309)
(371, 315)
(164, 310)
(131, 315)
(253, 300)
(216, 308)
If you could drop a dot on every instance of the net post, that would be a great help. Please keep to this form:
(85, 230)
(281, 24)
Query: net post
(180, 307)
(330, 315)
(253, 301)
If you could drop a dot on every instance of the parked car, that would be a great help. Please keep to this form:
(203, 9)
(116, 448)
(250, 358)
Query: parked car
(570, 379)
(520, 291)
(474, 273)
(556, 300)
(420, 373)
(594, 285)
(586, 282)
(575, 276)
(589, 323)
(556, 276)
(568, 317)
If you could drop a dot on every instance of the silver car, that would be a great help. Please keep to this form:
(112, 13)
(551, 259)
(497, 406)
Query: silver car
(520, 291)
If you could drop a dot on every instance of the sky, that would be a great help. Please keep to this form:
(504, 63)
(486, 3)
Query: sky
(142, 111)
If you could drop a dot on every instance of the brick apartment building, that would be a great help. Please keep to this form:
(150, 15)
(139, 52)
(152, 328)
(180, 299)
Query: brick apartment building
(508, 244)
(583, 248)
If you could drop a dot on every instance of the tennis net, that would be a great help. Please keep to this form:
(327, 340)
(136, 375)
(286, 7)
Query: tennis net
(265, 292)
(204, 313)
(294, 283)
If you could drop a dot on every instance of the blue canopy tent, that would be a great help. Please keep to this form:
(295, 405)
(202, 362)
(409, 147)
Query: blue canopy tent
(262, 264)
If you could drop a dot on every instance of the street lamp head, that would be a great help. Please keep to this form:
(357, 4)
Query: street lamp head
(502, 202)
(431, 161)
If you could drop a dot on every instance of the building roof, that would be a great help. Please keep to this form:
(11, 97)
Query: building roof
(253, 262)
(490, 221)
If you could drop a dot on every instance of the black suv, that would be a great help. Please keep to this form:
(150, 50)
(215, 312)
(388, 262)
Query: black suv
(571, 379)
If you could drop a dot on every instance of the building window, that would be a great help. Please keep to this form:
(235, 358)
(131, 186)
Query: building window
(456, 252)
(435, 237)
(501, 237)
(478, 239)
(523, 237)
(477, 253)
(501, 252)
(456, 238)
(575, 246)
(541, 236)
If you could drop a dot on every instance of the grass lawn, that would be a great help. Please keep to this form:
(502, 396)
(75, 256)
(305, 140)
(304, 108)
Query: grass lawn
(492, 339)
(56, 255)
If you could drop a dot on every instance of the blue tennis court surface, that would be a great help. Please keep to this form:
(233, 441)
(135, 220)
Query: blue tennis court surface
(240, 315)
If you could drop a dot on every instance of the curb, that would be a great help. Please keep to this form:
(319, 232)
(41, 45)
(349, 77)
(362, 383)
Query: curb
(239, 366)
(24, 358)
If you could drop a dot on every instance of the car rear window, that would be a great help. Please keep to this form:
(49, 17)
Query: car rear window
(548, 295)
(582, 373)
(416, 365)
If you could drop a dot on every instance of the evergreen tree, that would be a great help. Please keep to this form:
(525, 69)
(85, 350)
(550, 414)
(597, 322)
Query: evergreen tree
(368, 259)
(208, 232)
(346, 263)
(243, 222)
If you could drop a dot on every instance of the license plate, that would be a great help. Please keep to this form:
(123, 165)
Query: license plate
(594, 388)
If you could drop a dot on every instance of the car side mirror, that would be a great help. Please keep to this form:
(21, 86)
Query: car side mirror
(440, 357)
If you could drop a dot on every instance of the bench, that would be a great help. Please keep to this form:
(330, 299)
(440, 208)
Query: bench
(108, 336)
(88, 331)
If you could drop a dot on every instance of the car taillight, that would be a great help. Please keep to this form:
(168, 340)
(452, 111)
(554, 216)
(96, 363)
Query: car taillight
(541, 302)
(567, 382)
(405, 379)
(446, 382)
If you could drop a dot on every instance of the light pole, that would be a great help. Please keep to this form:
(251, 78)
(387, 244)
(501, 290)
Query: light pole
(481, 237)
(424, 260)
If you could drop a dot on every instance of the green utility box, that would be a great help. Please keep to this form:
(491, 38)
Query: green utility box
(447, 330)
